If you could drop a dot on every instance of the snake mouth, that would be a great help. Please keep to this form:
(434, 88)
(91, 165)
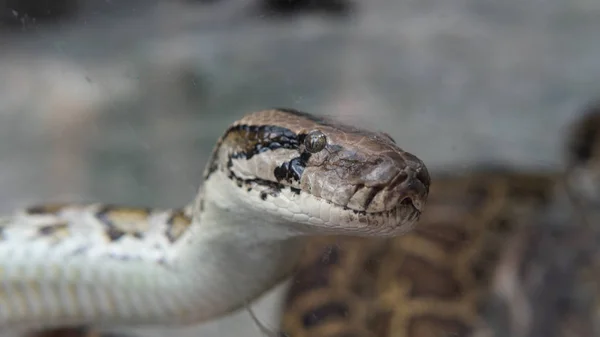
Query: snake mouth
(345, 220)
(405, 204)
(396, 221)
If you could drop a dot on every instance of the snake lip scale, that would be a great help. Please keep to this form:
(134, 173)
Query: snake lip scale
(275, 178)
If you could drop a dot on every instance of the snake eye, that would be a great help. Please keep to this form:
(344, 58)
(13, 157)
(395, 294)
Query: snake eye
(315, 141)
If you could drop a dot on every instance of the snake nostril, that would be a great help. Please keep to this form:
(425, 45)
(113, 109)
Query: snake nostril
(407, 202)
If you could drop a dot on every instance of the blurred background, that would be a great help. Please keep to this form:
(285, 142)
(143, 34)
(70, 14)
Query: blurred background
(121, 101)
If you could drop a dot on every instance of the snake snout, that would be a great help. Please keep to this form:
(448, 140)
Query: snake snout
(406, 189)
(412, 186)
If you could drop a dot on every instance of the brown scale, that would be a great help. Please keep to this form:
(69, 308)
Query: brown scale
(178, 223)
(424, 284)
(121, 221)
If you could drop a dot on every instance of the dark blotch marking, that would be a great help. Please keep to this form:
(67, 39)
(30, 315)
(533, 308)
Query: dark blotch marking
(427, 325)
(271, 191)
(272, 188)
(293, 169)
(48, 209)
(113, 233)
(297, 168)
(110, 215)
(258, 139)
(51, 229)
(328, 311)
(428, 280)
(178, 223)
(281, 172)
(250, 140)
(289, 171)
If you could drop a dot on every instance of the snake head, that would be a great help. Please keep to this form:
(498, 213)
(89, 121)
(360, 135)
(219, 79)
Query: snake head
(321, 175)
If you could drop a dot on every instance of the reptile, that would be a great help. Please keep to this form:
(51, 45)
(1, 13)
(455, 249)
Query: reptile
(274, 179)
(450, 276)
(443, 278)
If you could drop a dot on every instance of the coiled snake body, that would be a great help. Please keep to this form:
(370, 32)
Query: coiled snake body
(275, 177)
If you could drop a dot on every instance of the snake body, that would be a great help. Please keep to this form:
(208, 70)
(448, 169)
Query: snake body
(440, 279)
(275, 178)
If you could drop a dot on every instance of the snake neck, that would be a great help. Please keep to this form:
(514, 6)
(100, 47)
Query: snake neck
(231, 257)
(226, 213)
